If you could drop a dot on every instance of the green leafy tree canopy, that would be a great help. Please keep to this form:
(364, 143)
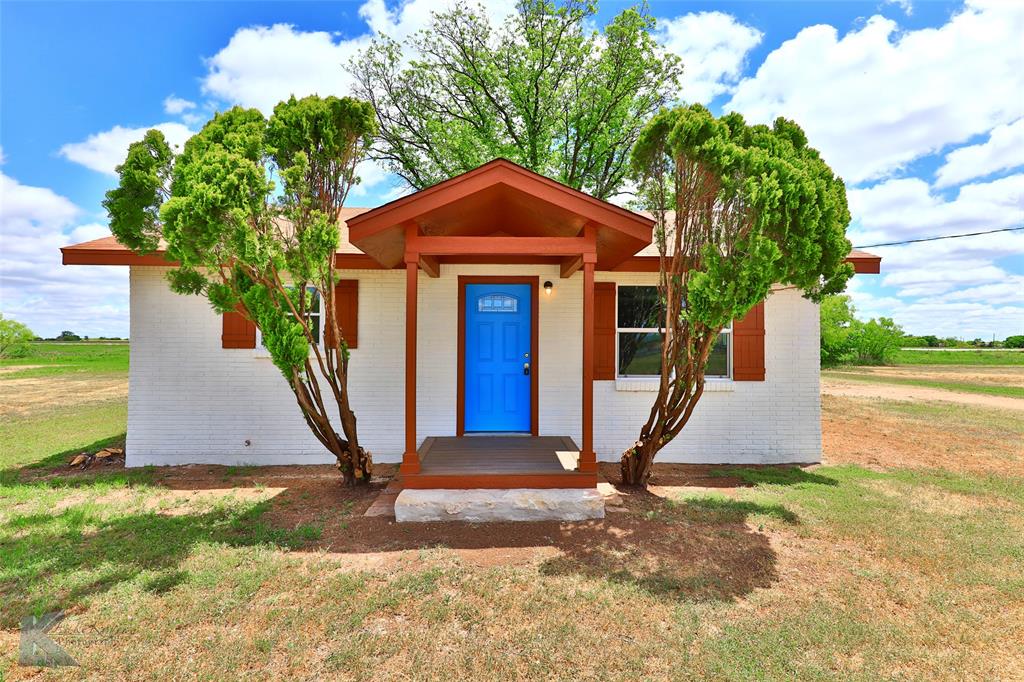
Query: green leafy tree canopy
(15, 338)
(846, 339)
(542, 90)
(738, 208)
(1015, 341)
(248, 245)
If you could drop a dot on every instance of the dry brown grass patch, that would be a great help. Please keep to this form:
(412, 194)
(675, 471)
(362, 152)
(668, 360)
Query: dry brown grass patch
(24, 397)
(864, 432)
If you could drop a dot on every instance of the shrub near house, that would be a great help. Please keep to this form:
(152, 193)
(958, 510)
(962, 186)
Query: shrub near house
(14, 338)
(845, 339)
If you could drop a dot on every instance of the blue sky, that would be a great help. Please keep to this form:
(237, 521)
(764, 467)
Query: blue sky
(918, 105)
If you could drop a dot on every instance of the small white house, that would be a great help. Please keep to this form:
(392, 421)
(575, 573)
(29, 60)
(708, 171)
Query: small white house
(499, 302)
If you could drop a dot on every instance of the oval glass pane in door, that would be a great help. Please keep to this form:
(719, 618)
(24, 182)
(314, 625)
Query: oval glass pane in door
(497, 303)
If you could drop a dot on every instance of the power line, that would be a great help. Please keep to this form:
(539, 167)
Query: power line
(948, 236)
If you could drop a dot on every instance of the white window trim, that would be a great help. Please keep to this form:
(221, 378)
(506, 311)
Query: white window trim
(651, 382)
(261, 351)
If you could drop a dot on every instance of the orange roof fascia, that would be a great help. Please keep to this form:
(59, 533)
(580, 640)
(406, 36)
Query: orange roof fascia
(108, 251)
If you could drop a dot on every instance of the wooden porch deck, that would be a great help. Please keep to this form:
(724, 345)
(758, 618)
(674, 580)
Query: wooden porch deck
(499, 462)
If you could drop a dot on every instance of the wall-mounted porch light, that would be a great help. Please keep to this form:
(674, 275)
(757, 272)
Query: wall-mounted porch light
(548, 286)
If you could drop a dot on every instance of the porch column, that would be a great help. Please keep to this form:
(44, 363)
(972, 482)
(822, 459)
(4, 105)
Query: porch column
(588, 459)
(410, 459)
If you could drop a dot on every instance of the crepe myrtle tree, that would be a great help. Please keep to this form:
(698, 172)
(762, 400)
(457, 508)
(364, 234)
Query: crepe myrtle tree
(737, 209)
(250, 246)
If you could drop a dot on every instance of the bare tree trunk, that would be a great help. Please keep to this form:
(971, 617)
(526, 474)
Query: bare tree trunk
(697, 221)
(357, 466)
(637, 462)
(354, 463)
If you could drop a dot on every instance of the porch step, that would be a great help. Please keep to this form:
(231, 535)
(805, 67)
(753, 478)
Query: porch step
(515, 504)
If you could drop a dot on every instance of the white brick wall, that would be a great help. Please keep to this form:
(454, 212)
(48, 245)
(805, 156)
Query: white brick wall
(753, 422)
(192, 401)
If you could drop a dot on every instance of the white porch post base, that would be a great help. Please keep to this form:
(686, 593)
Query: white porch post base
(516, 504)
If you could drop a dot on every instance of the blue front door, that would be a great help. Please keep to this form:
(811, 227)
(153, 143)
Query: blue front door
(498, 361)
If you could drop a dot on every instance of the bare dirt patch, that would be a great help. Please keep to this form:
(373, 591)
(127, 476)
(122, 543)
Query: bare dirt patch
(858, 389)
(639, 541)
(858, 431)
(993, 375)
(17, 368)
(21, 397)
(173, 502)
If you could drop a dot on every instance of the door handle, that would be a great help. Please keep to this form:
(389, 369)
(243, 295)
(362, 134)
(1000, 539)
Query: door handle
(526, 368)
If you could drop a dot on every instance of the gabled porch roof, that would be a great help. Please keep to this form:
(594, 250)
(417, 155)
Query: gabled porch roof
(499, 208)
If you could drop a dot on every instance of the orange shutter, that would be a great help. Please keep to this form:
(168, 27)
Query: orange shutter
(748, 346)
(604, 331)
(346, 311)
(237, 332)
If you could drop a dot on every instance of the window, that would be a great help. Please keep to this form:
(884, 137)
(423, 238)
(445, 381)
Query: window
(639, 336)
(313, 316)
(497, 303)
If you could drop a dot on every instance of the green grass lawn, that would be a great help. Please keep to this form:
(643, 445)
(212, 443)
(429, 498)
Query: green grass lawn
(849, 573)
(48, 358)
(69, 421)
(840, 572)
(49, 439)
(864, 374)
(966, 357)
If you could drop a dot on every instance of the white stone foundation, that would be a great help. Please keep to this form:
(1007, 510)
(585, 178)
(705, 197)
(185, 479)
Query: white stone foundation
(516, 504)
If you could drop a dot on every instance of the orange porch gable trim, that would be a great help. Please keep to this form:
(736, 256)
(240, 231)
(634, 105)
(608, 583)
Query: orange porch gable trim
(499, 209)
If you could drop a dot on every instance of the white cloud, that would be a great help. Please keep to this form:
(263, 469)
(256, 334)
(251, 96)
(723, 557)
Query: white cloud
(948, 286)
(1004, 149)
(876, 98)
(34, 287)
(262, 65)
(908, 209)
(25, 209)
(942, 316)
(937, 268)
(104, 151)
(906, 5)
(713, 46)
(413, 15)
(175, 105)
(371, 176)
(1009, 291)
(195, 120)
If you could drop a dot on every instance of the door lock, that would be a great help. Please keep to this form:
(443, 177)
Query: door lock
(526, 368)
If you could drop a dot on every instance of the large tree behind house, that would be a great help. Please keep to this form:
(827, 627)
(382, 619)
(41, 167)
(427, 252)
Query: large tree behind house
(541, 90)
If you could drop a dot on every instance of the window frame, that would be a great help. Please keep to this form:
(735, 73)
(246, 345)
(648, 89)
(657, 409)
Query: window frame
(262, 351)
(727, 331)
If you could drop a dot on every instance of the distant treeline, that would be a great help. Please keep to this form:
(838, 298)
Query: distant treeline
(71, 336)
(847, 340)
(929, 341)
